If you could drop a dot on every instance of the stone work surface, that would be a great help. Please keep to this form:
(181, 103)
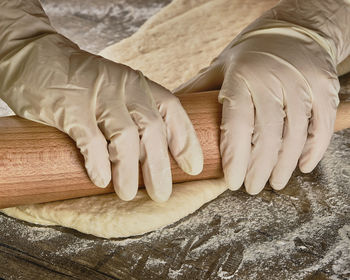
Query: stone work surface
(301, 232)
(96, 24)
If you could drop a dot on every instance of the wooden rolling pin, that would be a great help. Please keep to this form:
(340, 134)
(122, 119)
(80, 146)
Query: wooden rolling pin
(39, 163)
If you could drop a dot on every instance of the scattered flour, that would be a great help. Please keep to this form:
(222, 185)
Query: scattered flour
(32, 233)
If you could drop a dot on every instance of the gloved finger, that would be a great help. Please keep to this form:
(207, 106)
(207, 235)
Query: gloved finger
(93, 146)
(236, 129)
(181, 136)
(118, 127)
(321, 127)
(267, 136)
(209, 78)
(298, 111)
(153, 144)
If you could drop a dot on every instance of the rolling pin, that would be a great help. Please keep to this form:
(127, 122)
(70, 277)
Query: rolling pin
(39, 163)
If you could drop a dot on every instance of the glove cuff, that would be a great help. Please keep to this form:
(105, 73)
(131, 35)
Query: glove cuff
(21, 21)
(328, 18)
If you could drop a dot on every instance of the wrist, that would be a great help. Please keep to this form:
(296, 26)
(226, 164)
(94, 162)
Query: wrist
(328, 18)
(21, 22)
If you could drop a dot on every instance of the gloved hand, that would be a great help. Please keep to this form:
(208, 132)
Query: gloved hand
(279, 90)
(113, 113)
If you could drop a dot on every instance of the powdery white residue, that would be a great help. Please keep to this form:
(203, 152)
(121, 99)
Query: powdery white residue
(224, 274)
(78, 247)
(339, 255)
(94, 26)
(342, 266)
(97, 12)
(40, 233)
(174, 274)
(28, 232)
(153, 262)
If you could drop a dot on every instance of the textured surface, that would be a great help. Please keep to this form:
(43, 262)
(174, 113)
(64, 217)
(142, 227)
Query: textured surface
(302, 232)
(93, 25)
(110, 217)
(185, 37)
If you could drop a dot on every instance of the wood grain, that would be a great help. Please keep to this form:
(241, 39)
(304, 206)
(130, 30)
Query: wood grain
(38, 163)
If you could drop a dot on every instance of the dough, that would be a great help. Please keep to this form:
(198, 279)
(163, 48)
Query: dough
(108, 216)
(184, 37)
(170, 48)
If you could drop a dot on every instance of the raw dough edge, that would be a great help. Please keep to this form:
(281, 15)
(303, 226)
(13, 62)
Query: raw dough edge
(109, 217)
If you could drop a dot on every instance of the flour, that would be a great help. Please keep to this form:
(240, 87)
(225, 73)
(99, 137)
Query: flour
(78, 247)
(94, 11)
(123, 16)
(174, 274)
(155, 264)
(32, 233)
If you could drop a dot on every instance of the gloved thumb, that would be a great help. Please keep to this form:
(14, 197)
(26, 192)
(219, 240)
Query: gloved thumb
(209, 78)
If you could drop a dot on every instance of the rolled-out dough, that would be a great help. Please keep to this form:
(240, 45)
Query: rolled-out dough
(108, 216)
(169, 48)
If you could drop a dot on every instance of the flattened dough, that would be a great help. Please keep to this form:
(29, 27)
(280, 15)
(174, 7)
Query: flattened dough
(170, 48)
(184, 37)
(108, 216)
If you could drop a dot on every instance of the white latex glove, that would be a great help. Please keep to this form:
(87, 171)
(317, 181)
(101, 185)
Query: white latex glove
(115, 115)
(279, 90)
